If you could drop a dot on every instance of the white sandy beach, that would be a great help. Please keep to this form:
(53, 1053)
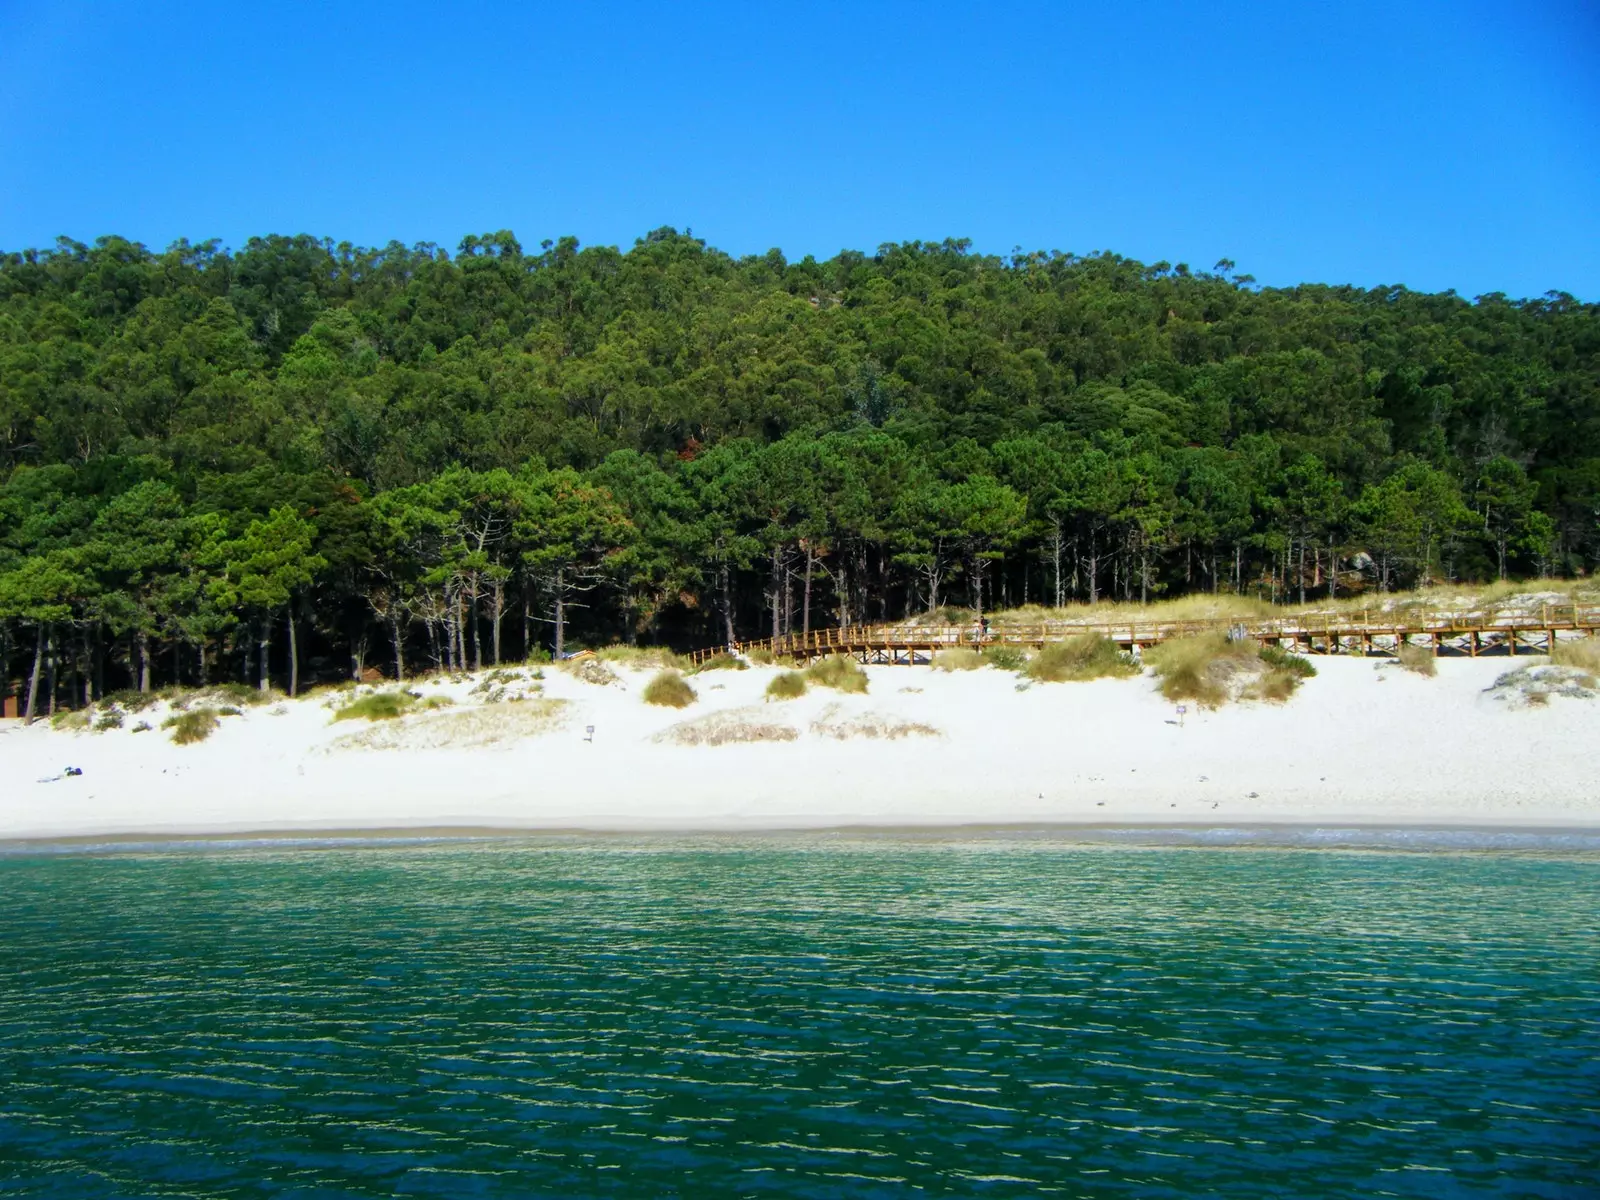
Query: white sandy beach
(1359, 744)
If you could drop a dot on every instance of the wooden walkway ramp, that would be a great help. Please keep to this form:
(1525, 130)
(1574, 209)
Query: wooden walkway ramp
(1360, 633)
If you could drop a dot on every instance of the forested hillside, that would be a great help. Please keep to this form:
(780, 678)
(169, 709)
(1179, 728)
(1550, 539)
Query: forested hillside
(304, 457)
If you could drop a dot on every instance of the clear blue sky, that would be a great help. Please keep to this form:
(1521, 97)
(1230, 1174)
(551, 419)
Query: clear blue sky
(1438, 145)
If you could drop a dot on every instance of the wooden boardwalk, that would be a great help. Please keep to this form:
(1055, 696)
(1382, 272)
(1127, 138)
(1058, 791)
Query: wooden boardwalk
(1364, 633)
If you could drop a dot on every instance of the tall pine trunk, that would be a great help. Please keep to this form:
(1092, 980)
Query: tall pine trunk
(5, 665)
(499, 612)
(399, 651)
(33, 678)
(527, 621)
(805, 602)
(777, 592)
(263, 651)
(472, 616)
(50, 672)
(561, 614)
(294, 654)
(1055, 553)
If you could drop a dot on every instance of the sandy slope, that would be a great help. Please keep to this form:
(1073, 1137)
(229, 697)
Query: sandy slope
(1358, 744)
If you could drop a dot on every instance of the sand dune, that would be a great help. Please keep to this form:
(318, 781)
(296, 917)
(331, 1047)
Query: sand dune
(1363, 742)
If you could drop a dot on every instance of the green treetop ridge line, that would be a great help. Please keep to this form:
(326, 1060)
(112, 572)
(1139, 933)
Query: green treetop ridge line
(303, 458)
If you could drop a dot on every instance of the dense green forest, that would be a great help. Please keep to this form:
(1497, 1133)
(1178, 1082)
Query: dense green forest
(302, 458)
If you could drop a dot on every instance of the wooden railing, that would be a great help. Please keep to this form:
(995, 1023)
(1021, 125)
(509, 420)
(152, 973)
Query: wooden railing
(1307, 628)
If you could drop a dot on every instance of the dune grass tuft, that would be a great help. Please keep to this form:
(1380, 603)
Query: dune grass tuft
(1087, 656)
(723, 661)
(239, 693)
(761, 656)
(195, 725)
(1280, 659)
(1185, 667)
(108, 720)
(962, 658)
(590, 670)
(1419, 659)
(379, 706)
(841, 726)
(498, 678)
(130, 700)
(1211, 670)
(475, 727)
(789, 685)
(839, 673)
(212, 695)
(727, 728)
(642, 657)
(1006, 658)
(669, 689)
(1582, 653)
(386, 706)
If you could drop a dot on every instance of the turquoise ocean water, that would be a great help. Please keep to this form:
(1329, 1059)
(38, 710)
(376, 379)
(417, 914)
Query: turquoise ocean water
(803, 1016)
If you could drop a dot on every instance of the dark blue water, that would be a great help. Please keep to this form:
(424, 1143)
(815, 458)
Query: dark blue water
(801, 1017)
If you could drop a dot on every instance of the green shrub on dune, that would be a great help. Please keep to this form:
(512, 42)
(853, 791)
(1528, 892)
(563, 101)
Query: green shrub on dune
(130, 701)
(1198, 668)
(839, 673)
(1582, 654)
(1417, 659)
(1297, 665)
(1006, 658)
(386, 706)
(788, 686)
(1212, 670)
(642, 656)
(1076, 660)
(722, 661)
(240, 693)
(670, 690)
(960, 659)
(965, 658)
(193, 726)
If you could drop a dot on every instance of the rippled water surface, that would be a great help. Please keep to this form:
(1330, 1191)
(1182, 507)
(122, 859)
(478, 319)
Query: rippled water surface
(798, 1017)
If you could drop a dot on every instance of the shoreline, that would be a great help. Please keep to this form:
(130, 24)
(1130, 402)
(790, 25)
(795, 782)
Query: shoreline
(1410, 837)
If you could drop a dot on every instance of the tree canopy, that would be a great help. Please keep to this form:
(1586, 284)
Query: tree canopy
(402, 453)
